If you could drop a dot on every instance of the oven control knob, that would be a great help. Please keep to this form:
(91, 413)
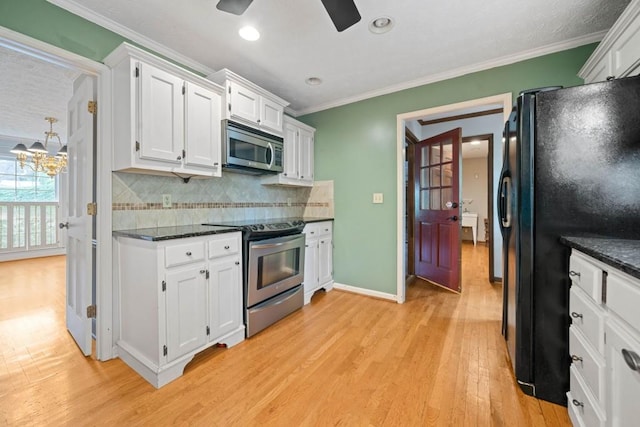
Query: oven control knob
(261, 227)
(254, 227)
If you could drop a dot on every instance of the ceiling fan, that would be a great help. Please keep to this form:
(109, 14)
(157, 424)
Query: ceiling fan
(343, 13)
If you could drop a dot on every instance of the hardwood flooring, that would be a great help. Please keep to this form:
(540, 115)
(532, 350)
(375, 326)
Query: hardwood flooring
(343, 360)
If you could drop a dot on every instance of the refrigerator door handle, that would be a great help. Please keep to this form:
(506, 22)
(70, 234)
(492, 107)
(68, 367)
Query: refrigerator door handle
(505, 202)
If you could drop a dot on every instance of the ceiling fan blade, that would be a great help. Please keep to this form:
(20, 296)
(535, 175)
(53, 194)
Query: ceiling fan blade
(343, 13)
(237, 7)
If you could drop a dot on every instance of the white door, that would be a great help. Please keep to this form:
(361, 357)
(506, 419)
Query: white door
(244, 103)
(290, 151)
(202, 128)
(80, 140)
(305, 147)
(270, 115)
(225, 297)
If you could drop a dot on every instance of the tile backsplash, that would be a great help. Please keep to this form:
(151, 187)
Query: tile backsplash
(137, 200)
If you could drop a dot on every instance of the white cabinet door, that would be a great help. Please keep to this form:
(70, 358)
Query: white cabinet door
(186, 310)
(310, 264)
(325, 259)
(290, 151)
(271, 114)
(225, 296)
(244, 103)
(202, 127)
(305, 144)
(161, 115)
(623, 363)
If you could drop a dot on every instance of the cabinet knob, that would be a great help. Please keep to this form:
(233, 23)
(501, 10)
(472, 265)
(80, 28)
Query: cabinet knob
(237, 262)
(258, 120)
(226, 247)
(577, 403)
(188, 253)
(574, 273)
(216, 164)
(302, 177)
(576, 358)
(632, 359)
(285, 174)
(179, 158)
(610, 77)
(203, 271)
(63, 225)
(576, 315)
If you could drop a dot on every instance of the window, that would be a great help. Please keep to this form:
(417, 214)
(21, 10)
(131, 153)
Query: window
(25, 185)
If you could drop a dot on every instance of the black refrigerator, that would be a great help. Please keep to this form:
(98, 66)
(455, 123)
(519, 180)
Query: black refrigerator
(571, 167)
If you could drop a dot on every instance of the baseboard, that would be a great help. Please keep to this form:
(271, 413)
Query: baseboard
(36, 253)
(363, 291)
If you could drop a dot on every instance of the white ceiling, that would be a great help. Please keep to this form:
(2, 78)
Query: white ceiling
(431, 40)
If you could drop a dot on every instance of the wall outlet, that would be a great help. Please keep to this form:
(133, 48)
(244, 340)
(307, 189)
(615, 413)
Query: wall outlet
(166, 200)
(378, 198)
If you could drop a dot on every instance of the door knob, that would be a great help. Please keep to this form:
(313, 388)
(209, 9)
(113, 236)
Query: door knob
(64, 225)
(453, 218)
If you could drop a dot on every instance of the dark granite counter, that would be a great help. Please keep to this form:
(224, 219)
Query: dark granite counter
(619, 253)
(178, 232)
(310, 219)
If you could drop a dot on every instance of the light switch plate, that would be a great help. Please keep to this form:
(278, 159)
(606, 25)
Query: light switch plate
(378, 198)
(166, 200)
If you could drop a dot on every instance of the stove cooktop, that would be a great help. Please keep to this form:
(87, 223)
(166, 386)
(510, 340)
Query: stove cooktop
(271, 226)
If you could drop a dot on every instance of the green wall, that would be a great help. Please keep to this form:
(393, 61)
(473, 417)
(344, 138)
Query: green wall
(355, 146)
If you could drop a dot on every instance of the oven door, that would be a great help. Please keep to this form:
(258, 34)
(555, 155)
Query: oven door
(274, 266)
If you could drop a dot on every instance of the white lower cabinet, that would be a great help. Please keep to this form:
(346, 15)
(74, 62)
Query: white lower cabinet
(604, 344)
(318, 258)
(176, 298)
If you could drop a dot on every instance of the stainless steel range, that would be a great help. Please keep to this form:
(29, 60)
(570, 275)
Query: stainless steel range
(273, 262)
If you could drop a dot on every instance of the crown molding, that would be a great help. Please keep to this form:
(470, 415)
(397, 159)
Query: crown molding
(481, 66)
(83, 12)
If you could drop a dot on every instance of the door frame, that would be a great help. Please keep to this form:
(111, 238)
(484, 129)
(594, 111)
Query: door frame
(104, 284)
(505, 99)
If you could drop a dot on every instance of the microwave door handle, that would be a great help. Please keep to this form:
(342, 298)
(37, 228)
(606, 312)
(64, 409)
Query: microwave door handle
(270, 155)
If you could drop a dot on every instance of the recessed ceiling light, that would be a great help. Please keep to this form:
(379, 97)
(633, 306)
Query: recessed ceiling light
(313, 81)
(381, 25)
(249, 33)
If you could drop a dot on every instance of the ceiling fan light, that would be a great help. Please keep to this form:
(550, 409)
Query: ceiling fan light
(249, 33)
(381, 25)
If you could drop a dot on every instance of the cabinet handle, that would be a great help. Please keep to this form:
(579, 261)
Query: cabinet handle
(313, 232)
(577, 403)
(226, 247)
(326, 229)
(203, 271)
(179, 158)
(576, 315)
(285, 174)
(576, 358)
(188, 253)
(302, 177)
(258, 120)
(632, 359)
(216, 164)
(237, 262)
(574, 274)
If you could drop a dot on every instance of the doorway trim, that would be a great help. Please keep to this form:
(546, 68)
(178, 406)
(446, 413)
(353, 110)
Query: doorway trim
(505, 99)
(104, 289)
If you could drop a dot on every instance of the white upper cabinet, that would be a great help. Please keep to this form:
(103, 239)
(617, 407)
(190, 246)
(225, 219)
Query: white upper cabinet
(618, 55)
(298, 156)
(166, 119)
(249, 104)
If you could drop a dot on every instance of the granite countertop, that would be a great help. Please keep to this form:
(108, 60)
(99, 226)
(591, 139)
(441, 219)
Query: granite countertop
(619, 253)
(177, 232)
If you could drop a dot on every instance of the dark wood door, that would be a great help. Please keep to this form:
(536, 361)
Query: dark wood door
(436, 195)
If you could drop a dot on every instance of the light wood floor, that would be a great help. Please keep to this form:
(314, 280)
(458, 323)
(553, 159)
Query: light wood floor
(345, 359)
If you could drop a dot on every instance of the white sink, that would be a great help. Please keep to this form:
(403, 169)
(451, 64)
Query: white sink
(470, 219)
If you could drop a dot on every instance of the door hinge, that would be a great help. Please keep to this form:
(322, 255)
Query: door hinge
(183, 89)
(92, 209)
(207, 275)
(184, 154)
(164, 286)
(92, 311)
(229, 90)
(137, 146)
(603, 298)
(92, 107)
(208, 331)
(164, 350)
(229, 107)
(137, 72)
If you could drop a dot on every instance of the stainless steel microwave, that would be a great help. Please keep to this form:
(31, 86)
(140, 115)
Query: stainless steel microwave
(249, 150)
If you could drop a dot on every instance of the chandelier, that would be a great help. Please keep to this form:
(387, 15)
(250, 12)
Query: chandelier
(37, 156)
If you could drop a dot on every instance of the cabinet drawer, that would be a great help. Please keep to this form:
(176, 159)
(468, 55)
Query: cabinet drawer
(587, 317)
(224, 246)
(623, 298)
(588, 363)
(318, 229)
(586, 275)
(581, 401)
(183, 254)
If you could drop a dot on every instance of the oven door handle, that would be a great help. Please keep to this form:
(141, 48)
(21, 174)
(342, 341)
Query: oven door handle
(268, 246)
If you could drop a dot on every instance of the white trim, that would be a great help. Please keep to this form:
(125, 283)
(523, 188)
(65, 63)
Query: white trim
(35, 253)
(362, 291)
(89, 15)
(30, 46)
(505, 99)
(505, 60)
